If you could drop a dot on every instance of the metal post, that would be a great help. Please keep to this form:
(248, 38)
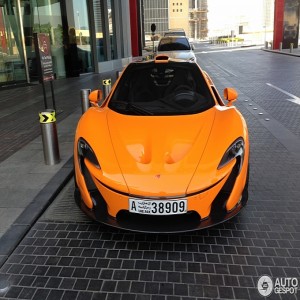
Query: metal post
(266, 45)
(118, 74)
(85, 103)
(291, 47)
(45, 96)
(280, 46)
(49, 137)
(106, 87)
(53, 97)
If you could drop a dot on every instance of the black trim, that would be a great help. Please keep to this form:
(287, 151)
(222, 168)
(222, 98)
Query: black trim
(170, 197)
(218, 208)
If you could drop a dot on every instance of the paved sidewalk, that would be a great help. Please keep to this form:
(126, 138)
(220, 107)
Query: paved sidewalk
(294, 52)
(27, 184)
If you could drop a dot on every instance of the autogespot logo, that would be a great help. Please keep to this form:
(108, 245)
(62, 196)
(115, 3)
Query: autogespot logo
(265, 285)
(287, 285)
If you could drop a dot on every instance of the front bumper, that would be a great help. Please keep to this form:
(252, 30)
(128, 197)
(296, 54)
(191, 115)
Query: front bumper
(206, 208)
(160, 224)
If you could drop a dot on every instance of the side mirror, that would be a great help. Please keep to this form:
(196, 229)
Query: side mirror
(230, 94)
(95, 96)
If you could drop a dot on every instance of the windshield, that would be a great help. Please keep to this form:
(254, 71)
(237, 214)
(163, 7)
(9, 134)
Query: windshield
(173, 88)
(173, 44)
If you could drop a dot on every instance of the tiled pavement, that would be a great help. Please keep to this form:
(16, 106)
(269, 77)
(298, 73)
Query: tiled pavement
(26, 183)
(65, 256)
(20, 106)
(83, 260)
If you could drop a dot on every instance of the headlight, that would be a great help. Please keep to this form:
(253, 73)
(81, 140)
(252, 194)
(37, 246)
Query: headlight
(236, 150)
(85, 151)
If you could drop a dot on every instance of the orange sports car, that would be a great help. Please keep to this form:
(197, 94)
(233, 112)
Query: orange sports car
(162, 152)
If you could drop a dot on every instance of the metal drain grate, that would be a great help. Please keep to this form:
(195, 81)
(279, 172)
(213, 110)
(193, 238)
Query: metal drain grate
(64, 208)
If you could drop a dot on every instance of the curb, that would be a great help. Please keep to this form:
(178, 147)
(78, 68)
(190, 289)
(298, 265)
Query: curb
(282, 52)
(13, 236)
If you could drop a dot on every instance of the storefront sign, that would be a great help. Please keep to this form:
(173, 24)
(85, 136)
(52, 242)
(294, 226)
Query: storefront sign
(43, 52)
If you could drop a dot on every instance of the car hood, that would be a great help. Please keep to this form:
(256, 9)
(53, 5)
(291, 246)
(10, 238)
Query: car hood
(158, 155)
(183, 54)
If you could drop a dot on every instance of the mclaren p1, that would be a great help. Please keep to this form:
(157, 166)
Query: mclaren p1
(163, 152)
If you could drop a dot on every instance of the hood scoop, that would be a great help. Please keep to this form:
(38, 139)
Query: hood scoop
(142, 153)
(159, 155)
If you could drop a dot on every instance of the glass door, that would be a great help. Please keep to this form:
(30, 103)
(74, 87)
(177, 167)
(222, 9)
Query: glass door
(12, 68)
(78, 57)
(43, 17)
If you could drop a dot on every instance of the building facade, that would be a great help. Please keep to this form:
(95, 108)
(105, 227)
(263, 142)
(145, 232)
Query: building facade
(251, 21)
(198, 19)
(179, 14)
(190, 15)
(156, 12)
(85, 36)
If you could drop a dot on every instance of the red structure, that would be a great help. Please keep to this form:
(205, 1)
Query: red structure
(3, 43)
(286, 23)
(134, 26)
(278, 23)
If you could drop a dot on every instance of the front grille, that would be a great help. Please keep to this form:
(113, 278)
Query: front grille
(153, 223)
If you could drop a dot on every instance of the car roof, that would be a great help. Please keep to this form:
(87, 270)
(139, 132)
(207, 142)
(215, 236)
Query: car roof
(175, 31)
(174, 36)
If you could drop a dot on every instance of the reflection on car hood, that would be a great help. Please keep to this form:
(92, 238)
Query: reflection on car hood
(158, 155)
(183, 54)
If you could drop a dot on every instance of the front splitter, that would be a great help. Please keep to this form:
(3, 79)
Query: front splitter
(155, 224)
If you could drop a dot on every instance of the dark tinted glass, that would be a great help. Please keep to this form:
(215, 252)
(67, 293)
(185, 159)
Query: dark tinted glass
(173, 44)
(177, 33)
(161, 89)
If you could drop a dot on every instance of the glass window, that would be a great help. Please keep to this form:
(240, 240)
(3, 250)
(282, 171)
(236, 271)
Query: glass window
(112, 31)
(106, 31)
(78, 58)
(173, 44)
(40, 17)
(98, 17)
(12, 67)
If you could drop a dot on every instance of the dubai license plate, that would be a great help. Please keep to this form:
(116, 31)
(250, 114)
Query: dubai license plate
(158, 207)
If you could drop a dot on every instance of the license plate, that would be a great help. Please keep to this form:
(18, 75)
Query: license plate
(158, 207)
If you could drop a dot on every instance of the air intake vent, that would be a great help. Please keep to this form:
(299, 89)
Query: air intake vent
(162, 59)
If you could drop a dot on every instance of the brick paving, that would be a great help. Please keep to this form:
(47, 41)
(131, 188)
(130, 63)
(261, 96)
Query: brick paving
(59, 260)
(66, 256)
(20, 106)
